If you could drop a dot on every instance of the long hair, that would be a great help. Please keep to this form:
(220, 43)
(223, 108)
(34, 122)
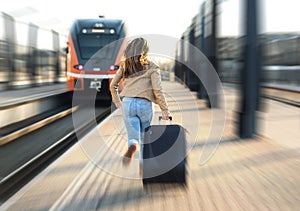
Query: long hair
(135, 56)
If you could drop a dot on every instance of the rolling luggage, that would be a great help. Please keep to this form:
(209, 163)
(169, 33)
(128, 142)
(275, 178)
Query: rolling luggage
(164, 154)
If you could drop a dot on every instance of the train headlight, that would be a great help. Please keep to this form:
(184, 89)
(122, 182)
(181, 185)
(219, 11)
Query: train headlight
(114, 67)
(78, 66)
(112, 31)
(84, 31)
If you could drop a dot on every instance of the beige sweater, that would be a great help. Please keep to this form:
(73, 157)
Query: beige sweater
(145, 84)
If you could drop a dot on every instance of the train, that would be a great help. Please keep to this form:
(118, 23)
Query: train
(94, 52)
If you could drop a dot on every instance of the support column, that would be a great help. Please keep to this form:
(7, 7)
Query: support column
(201, 90)
(251, 73)
(210, 48)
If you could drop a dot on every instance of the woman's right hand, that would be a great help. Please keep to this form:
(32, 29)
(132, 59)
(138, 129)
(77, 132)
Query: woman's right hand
(165, 115)
(118, 104)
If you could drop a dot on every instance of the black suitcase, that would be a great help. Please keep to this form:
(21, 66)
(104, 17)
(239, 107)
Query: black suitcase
(164, 154)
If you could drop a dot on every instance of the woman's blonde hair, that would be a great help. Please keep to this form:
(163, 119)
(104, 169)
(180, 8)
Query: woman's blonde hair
(135, 56)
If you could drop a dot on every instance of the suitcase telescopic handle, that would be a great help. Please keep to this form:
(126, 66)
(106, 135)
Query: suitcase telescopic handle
(160, 118)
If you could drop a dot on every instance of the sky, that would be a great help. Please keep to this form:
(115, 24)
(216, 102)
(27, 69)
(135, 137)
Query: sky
(274, 16)
(142, 17)
(165, 17)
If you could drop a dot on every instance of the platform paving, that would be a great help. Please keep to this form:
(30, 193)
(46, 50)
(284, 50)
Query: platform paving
(261, 173)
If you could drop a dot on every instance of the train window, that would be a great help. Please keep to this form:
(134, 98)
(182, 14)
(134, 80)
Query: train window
(90, 44)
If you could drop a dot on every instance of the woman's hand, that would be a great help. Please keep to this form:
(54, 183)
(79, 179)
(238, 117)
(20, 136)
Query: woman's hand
(118, 104)
(165, 115)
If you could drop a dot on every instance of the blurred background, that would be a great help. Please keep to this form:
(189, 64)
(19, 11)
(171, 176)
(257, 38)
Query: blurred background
(254, 47)
(277, 28)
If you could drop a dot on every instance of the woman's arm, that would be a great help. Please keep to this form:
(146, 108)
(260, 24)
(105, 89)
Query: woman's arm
(114, 88)
(158, 93)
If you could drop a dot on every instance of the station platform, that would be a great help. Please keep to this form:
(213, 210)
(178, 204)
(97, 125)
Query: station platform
(224, 172)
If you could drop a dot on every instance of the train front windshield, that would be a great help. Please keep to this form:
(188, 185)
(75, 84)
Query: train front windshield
(97, 45)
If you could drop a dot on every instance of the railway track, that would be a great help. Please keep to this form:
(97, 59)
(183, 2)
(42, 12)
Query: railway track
(28, 148)
(290, 97)
(285, 94)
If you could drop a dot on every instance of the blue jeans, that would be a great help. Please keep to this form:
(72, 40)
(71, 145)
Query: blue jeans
(137, 115)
